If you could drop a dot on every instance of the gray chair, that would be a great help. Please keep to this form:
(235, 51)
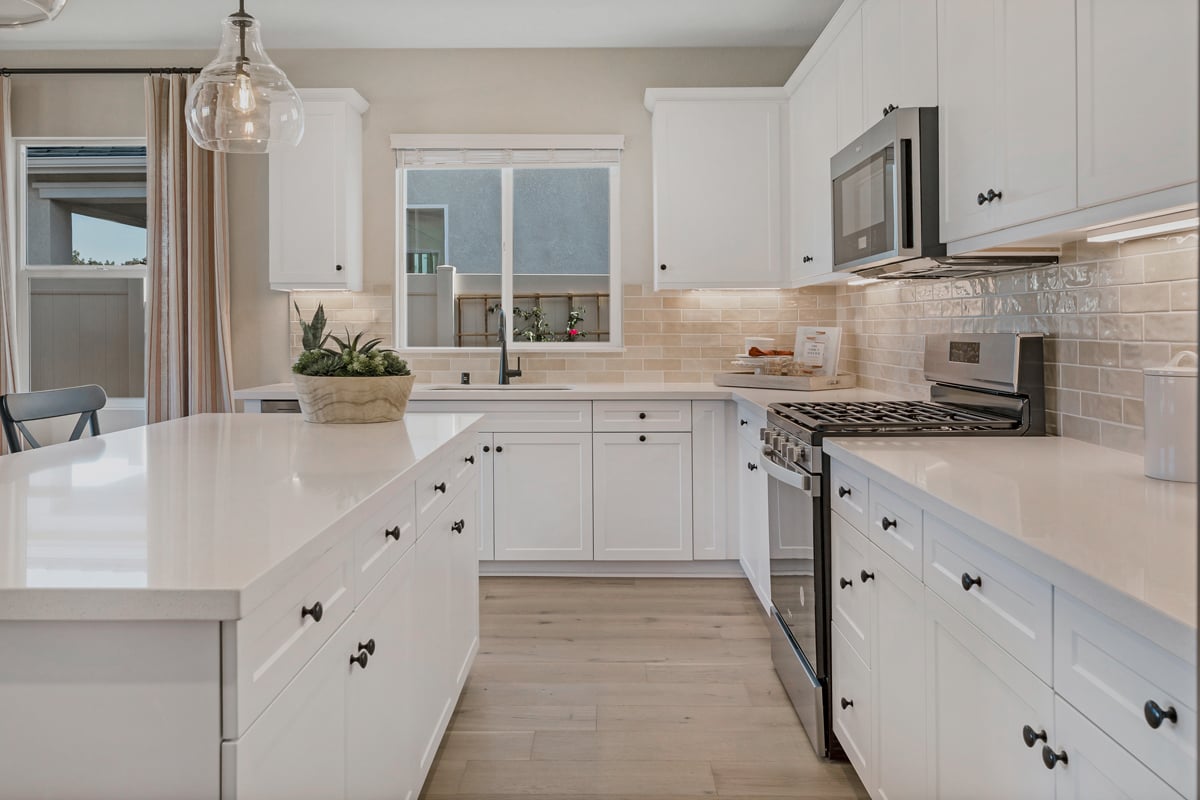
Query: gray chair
(17, 409)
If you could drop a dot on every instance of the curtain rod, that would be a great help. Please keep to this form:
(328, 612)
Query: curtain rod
(5, 71)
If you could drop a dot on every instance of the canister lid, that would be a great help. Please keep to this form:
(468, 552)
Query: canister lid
(1175, 367)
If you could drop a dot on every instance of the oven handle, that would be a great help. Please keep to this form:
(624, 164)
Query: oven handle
(796, 480)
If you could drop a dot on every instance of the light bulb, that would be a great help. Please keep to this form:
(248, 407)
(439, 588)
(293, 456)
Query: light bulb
(243, 94)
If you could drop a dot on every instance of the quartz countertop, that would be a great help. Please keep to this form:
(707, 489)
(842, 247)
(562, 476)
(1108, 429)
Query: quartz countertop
(1081, 516)
(601, 391)
(198, 518)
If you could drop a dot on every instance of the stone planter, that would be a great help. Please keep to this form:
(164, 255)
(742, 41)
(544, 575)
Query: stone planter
(353, 400)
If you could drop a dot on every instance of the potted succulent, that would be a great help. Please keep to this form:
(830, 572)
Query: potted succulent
(353, 381)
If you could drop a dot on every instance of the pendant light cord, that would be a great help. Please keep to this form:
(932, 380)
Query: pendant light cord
(242, 25)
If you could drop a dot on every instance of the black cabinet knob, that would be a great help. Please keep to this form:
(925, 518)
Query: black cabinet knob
(440, 487)
(981, 198)
(1155, 714)
(315, 611)
(662, 267)
(641, 415)
(968, 581)
(806, 259)
(886, 523)
(642, 438)
(487, 449)
(470, 459)
(1032, 737)
(889, 108)
(743, 422)
(994, 195)
(750, 465)
(369, 647)
(844, 583)
(844, 491)
(847, 704)
(338, 267)
(459, 527)
(1052, 759)
(865, 576)
(499, 449)
(392, 533)
(361, 659)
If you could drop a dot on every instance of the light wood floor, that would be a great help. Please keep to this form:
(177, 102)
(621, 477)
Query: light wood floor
(627, 688)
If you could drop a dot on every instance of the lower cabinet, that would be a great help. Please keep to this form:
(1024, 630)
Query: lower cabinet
(643, 496)
(543, 496)
(485, 533)
(979, 701)
(754, 525)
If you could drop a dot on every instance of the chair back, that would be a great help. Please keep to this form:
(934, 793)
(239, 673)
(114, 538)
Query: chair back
(17, 409)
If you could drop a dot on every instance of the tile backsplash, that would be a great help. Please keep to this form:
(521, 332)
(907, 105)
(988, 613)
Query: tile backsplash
(1108, 310)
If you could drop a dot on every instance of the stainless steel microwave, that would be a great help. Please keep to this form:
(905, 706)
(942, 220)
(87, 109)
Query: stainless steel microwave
(885, 202)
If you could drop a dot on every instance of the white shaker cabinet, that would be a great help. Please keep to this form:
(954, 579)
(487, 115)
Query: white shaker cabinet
(643, 496)
(543, 496)
(813, 133)
(717, 191)
(315, 197)
(847, 54)
(1006, 120)
(485, 533)
(899, 47)
(754, 528)
(1137, 97)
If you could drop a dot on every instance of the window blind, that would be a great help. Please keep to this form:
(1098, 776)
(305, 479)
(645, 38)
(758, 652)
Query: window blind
(505, 151)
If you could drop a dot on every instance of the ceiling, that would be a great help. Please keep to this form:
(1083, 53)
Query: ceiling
(171, 24)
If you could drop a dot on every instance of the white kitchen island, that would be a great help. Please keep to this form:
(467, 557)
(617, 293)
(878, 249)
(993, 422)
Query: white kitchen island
(238, 606)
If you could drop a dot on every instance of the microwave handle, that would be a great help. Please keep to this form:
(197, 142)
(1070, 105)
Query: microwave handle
(796, 480)
(904, 195)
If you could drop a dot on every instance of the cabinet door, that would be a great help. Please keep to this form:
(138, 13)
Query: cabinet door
(814, 134)
(1036, 113)
(717, 209)
(381, 762)
(1097, 767)
(850, 690)
(433, 643)
(643, 496)
(1137, 97)
(847, 52)
(464, 584)
(297, 748)
(898, 679)
(979, 700)
(485, 533)
(851, 592)
(543, 496)
(968, 79)
(752, 508)
(899, 55)
(711, 504)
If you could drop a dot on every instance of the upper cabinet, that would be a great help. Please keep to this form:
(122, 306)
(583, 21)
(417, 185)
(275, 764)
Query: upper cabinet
(315, 197)
(899, 49)
(847, 55)
(812, 112)
(717, 188)
(1137, 97)
(1006, 121)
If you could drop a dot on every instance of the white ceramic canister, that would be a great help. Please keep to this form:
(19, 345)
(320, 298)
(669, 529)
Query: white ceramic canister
(1170, 395)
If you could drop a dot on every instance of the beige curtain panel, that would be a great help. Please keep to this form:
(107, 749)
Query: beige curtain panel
(8, 255)
(189, 355)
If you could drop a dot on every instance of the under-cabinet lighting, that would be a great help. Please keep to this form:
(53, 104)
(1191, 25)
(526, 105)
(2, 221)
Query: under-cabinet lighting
(862, 281)
(1140, 229)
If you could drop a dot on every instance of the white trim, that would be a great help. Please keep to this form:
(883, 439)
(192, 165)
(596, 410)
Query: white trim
(724, 94)
(507, 141)
(506, 255)
(708, 568)
(351, 97)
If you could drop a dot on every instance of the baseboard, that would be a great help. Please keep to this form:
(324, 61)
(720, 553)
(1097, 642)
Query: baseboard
(614, 569)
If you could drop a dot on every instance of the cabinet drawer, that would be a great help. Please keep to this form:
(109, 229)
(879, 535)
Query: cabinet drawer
(1008, 603)
(895, 525)
(446, 478)
(380, 543)
(464, 462)
(518, 416)
(262, 652)
(751, 420)
(641, 415)
(851, 595)
(848, 495)
(851, 697)
(1111, 673)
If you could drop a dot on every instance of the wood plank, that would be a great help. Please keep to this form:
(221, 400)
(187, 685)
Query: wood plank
(571, 778)
(806, 779)
(599, 694)
(525, 718)
(729, 719)
(681, 744)
(562, 672)
(462, 745)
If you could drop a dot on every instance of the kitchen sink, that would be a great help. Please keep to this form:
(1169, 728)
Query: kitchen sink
(492, 387)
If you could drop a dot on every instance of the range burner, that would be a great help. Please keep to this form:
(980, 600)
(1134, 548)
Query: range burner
(888, 416)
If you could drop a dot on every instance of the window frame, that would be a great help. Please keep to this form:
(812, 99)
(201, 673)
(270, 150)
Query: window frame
(26, 273)
(445, 209)
(615, 343)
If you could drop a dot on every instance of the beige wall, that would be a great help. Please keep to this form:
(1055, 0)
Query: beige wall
(422, 91)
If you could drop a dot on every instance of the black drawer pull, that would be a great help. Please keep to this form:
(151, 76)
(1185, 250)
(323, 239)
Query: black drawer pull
(499, 449)
(392, 533)
(369, 647)
(865, 576)
(641, 415)
(459, 527)
(315, 611)
(743, 422)
(750, 465)
(844, 491)
(886, 523)
(1032, 737)
(1155, 714)
(968, 581)
(440, 487)
(338, 267)
(642, 438)
(471, 459)
(487, 449)
(844, 583)
(361, 659)
(662, 267)
(981, 198)
(1051, 759)
(847, 704)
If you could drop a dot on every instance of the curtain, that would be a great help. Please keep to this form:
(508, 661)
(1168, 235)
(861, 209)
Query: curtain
(189, 352)
(8, 267)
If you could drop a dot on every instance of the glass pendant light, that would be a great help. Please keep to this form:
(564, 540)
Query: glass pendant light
(242, 102)
(16, 13)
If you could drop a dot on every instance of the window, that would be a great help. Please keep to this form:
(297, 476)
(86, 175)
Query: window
(82, 265)
(529, 224)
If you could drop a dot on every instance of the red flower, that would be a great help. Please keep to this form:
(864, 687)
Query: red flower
(573, 332)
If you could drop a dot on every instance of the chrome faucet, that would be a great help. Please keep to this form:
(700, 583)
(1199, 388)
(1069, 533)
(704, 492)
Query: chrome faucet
(505, 372)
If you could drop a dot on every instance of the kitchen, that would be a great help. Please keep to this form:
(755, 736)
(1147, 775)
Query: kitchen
(692, 582)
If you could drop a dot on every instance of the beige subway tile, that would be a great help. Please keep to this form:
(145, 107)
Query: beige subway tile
(713, 300)
(1122, 437)
(1120, 271)
(1100, 406)
(1121, 327)
(738, 315)
(1124, 382)
(1174, 266)
(1073, 427)
(1146, 297)
(1133, 412)
(1101, 354)
(1176, 326)
(1137, 355)
(1082, 378)
(643, 327)
(662, 315)
(1183, 295)
(702, 314)
(1159, 244)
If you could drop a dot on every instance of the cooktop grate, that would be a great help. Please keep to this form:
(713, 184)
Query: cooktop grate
(883, 416)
